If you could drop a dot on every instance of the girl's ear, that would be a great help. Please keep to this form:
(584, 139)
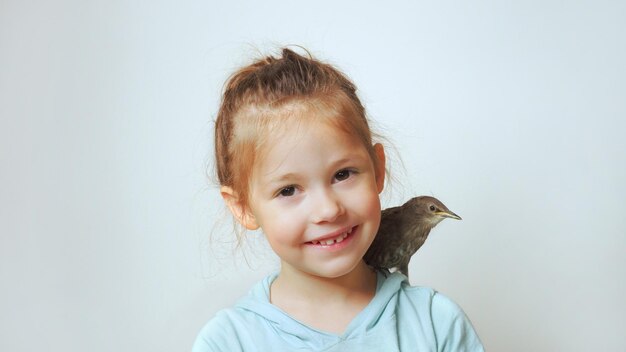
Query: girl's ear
(380, 167)
(243, 215)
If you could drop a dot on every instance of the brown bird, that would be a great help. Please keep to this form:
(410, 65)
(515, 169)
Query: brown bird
(403, 230)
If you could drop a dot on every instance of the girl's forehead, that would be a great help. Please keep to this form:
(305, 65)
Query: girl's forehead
(292, 130)
(270, 127)
(285, 137)
(299, 117)
(303, 146)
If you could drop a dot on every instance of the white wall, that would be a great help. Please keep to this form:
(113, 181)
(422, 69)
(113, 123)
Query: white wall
(512, 113)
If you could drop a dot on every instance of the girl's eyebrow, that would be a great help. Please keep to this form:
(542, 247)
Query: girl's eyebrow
(282, 178)
(352, 158)
(290, 176)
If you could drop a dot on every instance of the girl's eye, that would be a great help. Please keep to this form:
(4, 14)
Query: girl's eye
(343, 175)
(287, 191)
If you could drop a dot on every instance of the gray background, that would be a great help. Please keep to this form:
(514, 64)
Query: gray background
(512, 113)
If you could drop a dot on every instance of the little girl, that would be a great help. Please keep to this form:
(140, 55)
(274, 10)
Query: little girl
(295, 158)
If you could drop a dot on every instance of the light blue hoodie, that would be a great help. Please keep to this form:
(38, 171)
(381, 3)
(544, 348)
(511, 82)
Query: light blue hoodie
(400, 317)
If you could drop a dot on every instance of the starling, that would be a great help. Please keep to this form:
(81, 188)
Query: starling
(402, 232)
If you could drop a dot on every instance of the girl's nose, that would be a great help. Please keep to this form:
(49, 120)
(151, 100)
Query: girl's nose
(327, 207)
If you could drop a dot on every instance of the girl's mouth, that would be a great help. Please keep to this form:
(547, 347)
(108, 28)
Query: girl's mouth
(333, 240)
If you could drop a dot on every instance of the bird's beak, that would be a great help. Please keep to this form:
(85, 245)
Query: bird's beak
(448, 214)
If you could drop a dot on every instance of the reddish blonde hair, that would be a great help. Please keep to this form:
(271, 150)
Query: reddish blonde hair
(256, 98)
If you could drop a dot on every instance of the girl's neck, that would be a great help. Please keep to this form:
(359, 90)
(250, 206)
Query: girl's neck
(327, 304)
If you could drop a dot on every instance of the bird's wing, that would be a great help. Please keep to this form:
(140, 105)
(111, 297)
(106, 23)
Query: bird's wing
(386, 238)
(391, 213)
(388, 223)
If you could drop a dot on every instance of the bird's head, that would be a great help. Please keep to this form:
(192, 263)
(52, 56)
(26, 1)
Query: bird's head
(432, 209)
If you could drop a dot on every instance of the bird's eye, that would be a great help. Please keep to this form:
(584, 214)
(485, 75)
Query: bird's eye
(432, 208)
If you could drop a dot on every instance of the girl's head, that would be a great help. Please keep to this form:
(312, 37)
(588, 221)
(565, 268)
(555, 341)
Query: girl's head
(261, 99)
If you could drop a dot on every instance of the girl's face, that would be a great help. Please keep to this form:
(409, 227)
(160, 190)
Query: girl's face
(315, 194)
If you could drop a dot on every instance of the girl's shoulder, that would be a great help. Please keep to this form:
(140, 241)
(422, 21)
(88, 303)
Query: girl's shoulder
(420, 297)
(238, 327)
(437, 302)
(425, 306)
(217, 334)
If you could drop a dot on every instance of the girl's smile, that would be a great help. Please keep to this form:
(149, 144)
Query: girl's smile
(335, 241)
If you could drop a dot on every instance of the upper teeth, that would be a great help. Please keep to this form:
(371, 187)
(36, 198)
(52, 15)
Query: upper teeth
(337, 239)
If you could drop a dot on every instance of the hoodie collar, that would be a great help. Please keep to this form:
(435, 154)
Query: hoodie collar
(380, 309)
